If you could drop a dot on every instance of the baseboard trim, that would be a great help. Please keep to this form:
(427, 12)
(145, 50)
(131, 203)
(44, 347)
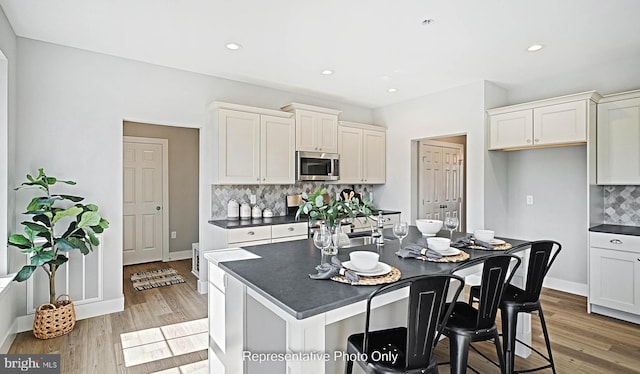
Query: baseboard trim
(83, 311)
(575, 288)
(8, 339)
(179, 255)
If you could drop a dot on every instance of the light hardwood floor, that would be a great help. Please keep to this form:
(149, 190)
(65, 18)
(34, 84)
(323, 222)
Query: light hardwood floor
(581, 343)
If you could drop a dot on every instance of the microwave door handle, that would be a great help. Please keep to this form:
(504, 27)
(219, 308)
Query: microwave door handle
(336, 168)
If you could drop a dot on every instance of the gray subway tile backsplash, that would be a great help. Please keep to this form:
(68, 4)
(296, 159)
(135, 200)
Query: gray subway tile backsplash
(270, 196)
(622, 205)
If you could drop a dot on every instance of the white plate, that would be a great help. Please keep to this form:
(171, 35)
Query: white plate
(495, 241)
(380, 269)
(448, 252)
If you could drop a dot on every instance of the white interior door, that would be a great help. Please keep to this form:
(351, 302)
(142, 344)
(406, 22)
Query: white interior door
(144, 196)
(440, 179)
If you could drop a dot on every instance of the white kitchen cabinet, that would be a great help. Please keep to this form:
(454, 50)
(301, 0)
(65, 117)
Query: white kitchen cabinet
(362, 150)
(618, 146)
(558, 121)
(316, 128)
(254, 145)
(614, 273)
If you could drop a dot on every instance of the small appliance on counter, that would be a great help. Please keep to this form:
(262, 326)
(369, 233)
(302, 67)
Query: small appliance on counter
(233, 209)
(245, 211)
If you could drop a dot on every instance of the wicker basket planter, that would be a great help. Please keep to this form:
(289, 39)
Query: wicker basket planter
(54, 320)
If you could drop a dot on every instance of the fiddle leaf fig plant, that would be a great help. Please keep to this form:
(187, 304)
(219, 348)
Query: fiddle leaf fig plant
(59, 224)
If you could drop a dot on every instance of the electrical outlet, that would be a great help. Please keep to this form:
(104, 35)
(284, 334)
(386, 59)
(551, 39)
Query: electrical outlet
(529, 199)
(173, 235)
(252, 199)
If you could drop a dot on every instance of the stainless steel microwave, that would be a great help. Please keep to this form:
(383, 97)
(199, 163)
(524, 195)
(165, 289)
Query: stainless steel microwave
(317, 166)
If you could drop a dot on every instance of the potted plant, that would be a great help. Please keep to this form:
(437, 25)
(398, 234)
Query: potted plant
(334, 211)
(59, 224)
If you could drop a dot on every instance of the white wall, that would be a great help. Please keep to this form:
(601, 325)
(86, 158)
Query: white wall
(456, 111)
(73, 102)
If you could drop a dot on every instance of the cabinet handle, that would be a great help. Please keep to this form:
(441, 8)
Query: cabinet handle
(290, 229)
(251, 233)
(528, 140)
(615, 241)
(537, 140)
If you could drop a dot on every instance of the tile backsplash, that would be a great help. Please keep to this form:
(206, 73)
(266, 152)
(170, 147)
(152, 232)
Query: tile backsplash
(622, 205)
(271, 196)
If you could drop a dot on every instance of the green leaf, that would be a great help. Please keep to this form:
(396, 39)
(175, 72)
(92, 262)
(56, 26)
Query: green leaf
(92, 237)
(65, 245)
(91, 207)
(20, 241)
(35, 227)
(25, 273)
(75, 199)
(71, 183)
(89, 218)
(41, 258)
(51, 180)
(59, 260)
(319, 201)
(42, 218)
(71, 212)
(104, 223)
(81, 245)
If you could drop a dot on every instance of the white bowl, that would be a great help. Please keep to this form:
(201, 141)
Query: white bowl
(484, 235)
(429, 227)
(364, 260)
(439, 244)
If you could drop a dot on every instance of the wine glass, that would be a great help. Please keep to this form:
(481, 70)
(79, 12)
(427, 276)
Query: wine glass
(451, 223)
(400, 230)
(322, 241)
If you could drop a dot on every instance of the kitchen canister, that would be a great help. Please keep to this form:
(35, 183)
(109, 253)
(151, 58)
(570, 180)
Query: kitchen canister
(233, 209)
(256, 212)
(245, 211)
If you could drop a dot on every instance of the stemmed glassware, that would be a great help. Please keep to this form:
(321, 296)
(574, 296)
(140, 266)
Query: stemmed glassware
(400, 230)
(322, 241)
(451, 223)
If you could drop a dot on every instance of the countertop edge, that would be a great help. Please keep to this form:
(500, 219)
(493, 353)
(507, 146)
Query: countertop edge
(616, 229)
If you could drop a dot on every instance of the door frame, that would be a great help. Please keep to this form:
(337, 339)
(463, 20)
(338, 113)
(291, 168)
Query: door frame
(415, 162)
(164, 144)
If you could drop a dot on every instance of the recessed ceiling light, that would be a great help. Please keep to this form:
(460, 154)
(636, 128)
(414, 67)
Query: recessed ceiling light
(392, 90)
(535, 47)
(327, 72)
(233, 46)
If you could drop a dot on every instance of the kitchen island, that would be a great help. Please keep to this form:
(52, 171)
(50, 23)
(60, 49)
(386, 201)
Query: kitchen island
(267, 316)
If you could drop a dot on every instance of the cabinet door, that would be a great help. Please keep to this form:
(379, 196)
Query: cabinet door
(238, 147)
(511, 130)
(327, 127)
(277, 150)
(374, 157)
(619, 142)
(306, 132)
(350, 148)
(560, 124)
(615, 279)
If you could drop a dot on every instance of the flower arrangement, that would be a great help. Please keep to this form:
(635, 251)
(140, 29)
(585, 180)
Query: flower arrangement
(333, 211)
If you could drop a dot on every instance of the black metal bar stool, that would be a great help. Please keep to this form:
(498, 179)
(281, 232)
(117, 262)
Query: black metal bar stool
(516, 300)
(405, 349)
(467, 324)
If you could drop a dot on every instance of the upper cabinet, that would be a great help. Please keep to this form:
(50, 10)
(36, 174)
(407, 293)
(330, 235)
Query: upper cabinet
(362, 150)
(254, 145)
(558, 121)
(618, 146)
(316, 128)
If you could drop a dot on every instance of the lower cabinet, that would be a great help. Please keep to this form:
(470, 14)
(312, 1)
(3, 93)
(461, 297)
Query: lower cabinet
(614, 272)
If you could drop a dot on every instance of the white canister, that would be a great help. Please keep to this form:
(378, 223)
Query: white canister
(267, 213)
(233, 209)
(245, 210)
(256, 212)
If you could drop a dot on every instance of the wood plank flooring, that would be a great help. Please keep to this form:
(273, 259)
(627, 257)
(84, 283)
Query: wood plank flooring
(581, 343)
(94, 344)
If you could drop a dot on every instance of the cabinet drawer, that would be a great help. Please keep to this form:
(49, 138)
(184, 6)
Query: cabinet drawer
(629, 243)
(290, 229)
(216, 277)
(249, 234)
(391, 219)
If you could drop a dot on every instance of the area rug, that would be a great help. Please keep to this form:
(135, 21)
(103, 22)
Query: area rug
(156, 278)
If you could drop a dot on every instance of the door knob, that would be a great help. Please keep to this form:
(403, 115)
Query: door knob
(158, 207)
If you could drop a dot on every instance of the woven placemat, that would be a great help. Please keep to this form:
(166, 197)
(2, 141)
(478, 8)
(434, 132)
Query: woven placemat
(462, 256)
(390, 277)
(499, 247)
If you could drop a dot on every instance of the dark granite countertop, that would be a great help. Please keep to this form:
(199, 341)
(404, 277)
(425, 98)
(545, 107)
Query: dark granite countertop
(278, 220)
(282, 273)
(617, 229)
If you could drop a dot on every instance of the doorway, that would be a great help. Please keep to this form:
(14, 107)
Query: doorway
(441, 178)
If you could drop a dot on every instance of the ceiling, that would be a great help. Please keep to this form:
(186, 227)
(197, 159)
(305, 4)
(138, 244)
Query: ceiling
(371, 45)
